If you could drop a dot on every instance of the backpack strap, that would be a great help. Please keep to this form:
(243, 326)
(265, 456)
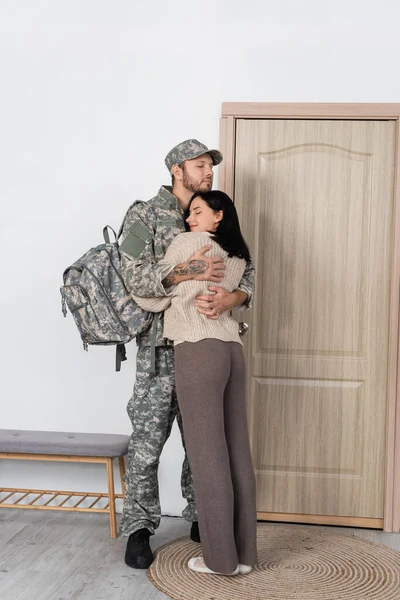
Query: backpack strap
(120, 356)
(120, 352)
(153, 336)
(106, 236)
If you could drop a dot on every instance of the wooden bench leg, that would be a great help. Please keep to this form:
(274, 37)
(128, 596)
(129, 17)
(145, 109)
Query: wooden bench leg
(122, 473)
(111, 497)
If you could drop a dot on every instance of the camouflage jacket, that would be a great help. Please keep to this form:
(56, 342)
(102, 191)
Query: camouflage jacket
(149, 229)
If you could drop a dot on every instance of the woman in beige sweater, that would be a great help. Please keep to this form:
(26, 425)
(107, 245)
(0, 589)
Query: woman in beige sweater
(210, 384)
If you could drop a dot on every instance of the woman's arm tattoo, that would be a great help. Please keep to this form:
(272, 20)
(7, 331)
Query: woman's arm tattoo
(192, 267)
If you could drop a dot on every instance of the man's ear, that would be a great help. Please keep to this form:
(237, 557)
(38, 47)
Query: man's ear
(177, 172)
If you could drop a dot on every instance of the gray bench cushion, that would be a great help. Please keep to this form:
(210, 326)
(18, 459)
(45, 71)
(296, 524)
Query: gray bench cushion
(64, 443)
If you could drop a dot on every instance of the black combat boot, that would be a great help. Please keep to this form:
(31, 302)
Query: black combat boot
(194, 532)
(138, 553)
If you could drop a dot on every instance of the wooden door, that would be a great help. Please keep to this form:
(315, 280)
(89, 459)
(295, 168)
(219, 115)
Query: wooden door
(315, 199)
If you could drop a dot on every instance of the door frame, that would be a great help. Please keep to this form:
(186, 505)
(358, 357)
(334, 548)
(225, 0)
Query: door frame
(231, 111)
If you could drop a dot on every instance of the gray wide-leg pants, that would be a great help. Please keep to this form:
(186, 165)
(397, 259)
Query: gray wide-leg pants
(210, 385)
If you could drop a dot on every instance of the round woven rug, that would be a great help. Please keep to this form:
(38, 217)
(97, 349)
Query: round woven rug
(295, 563)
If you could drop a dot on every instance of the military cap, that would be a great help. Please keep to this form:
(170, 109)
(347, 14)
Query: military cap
(188, 150)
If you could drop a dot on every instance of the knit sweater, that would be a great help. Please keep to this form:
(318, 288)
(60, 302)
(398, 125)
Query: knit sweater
(182, 321)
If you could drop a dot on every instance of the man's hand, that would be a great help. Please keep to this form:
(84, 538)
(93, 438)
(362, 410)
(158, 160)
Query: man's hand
(215, 265)
(199, 267)
(219, 301)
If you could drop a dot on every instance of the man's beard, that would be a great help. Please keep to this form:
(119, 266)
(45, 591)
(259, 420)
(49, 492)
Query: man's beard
(193, 186)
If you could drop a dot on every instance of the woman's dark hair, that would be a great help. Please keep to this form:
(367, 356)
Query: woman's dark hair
(228, 234)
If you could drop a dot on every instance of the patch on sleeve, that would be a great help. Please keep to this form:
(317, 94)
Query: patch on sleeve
(170, 222)
(136, 240)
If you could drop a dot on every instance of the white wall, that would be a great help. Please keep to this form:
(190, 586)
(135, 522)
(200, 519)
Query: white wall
(93, 95)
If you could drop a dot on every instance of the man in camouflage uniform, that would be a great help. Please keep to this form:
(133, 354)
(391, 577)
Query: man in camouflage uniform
(149, 229)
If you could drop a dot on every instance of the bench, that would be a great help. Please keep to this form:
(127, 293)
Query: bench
(57, 446)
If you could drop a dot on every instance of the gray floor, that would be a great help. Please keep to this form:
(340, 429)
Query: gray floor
(60, 556)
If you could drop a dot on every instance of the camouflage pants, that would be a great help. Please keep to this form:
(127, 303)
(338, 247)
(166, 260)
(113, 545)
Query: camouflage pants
(152, 410)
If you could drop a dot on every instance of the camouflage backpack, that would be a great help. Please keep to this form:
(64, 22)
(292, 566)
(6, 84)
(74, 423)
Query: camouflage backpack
(97, 298)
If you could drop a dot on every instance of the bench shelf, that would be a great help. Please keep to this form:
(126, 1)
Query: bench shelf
(29, 498)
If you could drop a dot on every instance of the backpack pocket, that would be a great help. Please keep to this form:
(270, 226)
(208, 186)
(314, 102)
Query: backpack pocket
(78, 302)
(75, 297)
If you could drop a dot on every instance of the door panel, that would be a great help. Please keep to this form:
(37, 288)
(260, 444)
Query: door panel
(315, 199)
